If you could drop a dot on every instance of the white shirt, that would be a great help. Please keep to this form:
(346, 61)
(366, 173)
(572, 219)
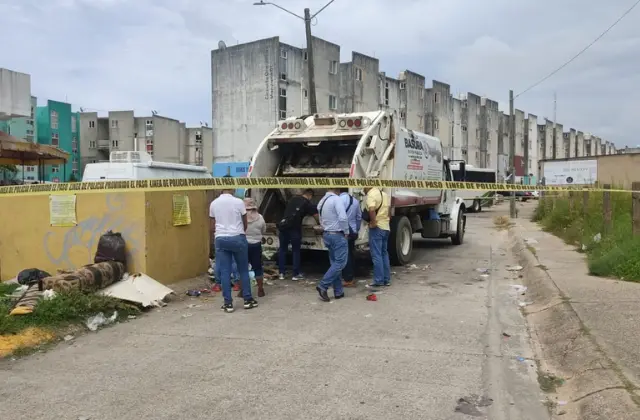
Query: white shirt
(228, 211)
(255, 230)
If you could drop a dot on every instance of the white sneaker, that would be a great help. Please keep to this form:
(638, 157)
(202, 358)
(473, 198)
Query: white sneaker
(281, 277)
(298, 277)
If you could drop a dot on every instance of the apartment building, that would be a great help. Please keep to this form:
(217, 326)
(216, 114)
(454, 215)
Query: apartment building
(58, 126)
(24, 128)
(165, 139)
(439, 115)
(579, 145)
(531, 143)
(360, 84)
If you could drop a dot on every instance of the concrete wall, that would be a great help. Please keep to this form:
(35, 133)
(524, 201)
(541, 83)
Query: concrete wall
(474, 103)
(619, 170)
(569, 142)
(15, 94)
(359, 84)
(439, 114)
(456, 124)
(579, 151)
(154, 246)
(412, 99)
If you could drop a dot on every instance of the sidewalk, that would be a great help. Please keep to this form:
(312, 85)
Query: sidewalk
(608, 312)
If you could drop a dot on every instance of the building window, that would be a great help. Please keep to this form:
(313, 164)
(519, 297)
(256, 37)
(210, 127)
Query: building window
(333, 67)
(75, 165)
(283, 77)
(55, 139)
(283, 93)
(359, 74)
(464, 128)
(114, 123)
(403, 115)
(283, 54)
(149, 123)
(74, 145)
(29, 122)
(305, 93)
(29, 132)
(73, 123)
(436, 125)
(92, 124)
(114, 144)
(283, 115)
(92, 144)
(54, 120)
(333, 103)
(93, 161)
(403, 85)
(305, 56)
(436, 98)
(420, 120)
(33, 113)
(421, 93)
(55, 169)
(30, 168)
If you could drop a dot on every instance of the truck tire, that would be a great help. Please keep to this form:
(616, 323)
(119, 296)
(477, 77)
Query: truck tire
(477, 206)
(458, 237)
(400, 241)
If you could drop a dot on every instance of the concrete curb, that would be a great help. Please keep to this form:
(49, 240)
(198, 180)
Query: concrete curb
(593, 386)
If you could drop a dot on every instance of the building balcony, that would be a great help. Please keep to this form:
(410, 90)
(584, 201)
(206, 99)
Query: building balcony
(103, 144)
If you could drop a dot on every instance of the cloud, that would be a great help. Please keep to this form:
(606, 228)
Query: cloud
(155, 54)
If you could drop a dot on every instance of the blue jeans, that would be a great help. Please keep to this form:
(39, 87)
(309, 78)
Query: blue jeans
(234, 272)
(348, 271)
(378, 242)
(338, 254)
(229, 248)
(293, 237)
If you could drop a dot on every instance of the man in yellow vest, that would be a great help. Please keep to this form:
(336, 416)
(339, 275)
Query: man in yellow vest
(376, 213)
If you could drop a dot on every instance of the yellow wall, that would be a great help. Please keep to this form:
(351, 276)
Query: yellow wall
(154, 246)
(176, 252)
(619, 170)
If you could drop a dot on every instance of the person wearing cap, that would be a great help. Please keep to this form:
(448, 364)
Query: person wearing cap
(228, 225)
(256, 227)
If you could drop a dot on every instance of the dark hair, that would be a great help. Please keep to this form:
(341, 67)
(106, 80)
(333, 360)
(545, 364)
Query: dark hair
(308, 191)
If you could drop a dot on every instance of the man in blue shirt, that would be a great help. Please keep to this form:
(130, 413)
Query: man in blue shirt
(354, 217)
(333, 219)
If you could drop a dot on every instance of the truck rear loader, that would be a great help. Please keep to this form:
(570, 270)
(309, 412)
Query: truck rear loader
(364, 145)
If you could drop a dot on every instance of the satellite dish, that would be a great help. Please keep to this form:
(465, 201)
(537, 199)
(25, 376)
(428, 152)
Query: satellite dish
(222, 45)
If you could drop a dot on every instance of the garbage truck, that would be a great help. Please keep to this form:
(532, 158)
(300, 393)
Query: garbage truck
(363, 145)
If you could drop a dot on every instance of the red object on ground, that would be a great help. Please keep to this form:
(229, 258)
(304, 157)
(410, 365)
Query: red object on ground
(236, 287)
(372, 297)
(217, 288)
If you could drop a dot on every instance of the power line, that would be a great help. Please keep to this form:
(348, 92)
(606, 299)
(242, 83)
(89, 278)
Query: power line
(582, 51)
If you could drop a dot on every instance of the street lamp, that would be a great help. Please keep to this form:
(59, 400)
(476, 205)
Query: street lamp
(313, 109)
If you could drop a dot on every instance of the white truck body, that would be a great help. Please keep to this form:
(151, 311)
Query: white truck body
(474, 200)
(139, 165)
(360, 145)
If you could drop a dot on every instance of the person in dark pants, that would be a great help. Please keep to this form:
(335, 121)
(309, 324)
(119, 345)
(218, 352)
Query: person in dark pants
(354, 217)
(290, 231)
(256, 227)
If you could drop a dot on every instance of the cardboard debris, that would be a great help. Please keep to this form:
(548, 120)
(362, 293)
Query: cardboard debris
(138, 288)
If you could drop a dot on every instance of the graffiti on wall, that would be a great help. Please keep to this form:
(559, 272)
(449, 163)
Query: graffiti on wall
(268, 76)
(86, 234)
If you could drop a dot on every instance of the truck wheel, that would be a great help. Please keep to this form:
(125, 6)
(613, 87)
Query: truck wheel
(458, 237)
(477, 207)
(400, 241)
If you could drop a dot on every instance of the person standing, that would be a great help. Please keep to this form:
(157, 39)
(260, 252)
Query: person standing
(290, 231)
(333, 219)
(256, 227)
(228, 225)
(376, 212)
(354, 218)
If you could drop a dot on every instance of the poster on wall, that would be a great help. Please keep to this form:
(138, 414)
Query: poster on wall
(181, 213)
(62, 210)
(577, 172)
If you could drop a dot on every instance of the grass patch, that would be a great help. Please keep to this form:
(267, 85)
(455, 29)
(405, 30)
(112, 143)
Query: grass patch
(62, 310)
(502, 222)
(613, 253)
(549, 383)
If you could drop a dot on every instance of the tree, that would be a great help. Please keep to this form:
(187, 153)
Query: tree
(73, 178)
(8, 171)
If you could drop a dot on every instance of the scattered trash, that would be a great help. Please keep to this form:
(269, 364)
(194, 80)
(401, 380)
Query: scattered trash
(523, 304)
(520, 359)
(514, 268)
(372, 297)
(530, 241)
(519, 289)
(484, 276)
(138, 288)
(187, 315)
(48, 294)
(504, 334)
(393, 272)
(469, 405)
(194, 293)
(482, 270)
(584, 247)
(597, 238)
(412, 267)
(562, 403)
(132, 317)
(368, 316)
(193, 305)
(269, 283)
(362, 281)
(68, 337)
(99, 320)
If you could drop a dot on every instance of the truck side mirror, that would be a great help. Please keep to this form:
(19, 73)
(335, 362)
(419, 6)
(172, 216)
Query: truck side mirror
(463, 171)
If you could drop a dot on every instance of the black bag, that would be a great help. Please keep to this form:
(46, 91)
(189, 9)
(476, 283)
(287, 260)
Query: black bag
(365, 212)
(111, 247)
(293, 219)
(31, 276)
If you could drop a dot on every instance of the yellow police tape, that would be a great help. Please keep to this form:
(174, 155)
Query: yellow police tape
(195, 184)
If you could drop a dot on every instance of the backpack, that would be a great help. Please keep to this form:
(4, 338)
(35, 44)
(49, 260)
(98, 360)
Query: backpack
(111, 247)
(290, 221)
(365, 212)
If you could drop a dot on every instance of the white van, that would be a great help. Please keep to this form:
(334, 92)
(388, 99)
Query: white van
(125, 166)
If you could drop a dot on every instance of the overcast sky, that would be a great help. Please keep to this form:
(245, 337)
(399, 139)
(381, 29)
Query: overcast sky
(155, 54)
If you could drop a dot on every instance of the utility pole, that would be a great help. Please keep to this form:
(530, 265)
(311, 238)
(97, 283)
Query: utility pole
(555, 110)
(308, 17)
(313, 108)
(512, 154)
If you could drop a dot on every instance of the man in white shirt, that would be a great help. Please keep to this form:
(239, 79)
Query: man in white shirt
(228, 225)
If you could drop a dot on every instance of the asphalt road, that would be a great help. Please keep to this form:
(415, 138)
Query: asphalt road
(443, 342)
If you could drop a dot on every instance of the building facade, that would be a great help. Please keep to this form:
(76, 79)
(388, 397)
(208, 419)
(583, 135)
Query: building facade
(57, 125)
(24, 128)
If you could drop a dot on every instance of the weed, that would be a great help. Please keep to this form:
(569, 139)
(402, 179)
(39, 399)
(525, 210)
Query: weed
(610, 253)
(549, 382)
(502, 222)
